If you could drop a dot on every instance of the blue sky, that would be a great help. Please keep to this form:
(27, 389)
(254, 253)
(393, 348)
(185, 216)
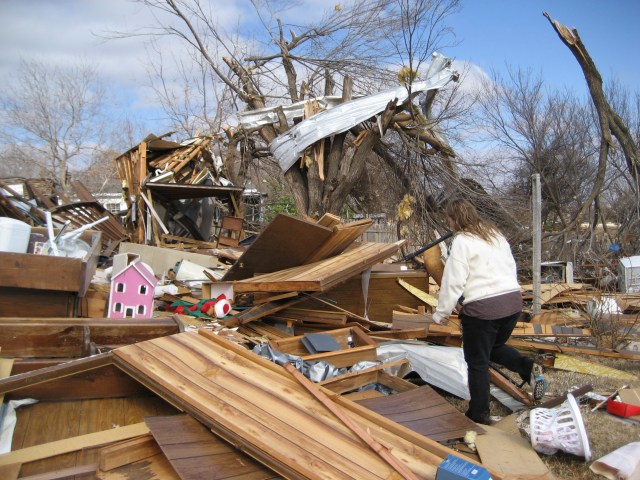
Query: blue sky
(492, 34)
(496, 33)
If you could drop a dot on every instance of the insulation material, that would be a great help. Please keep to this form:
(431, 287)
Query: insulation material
(573, 364)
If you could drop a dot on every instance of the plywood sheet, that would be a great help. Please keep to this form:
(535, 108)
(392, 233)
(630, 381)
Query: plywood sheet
(286, 242)
(322, 275)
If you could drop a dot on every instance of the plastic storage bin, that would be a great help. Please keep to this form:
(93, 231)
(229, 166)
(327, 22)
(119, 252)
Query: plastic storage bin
(14, 235)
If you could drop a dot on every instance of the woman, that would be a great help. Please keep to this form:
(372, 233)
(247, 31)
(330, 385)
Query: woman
(480, 274)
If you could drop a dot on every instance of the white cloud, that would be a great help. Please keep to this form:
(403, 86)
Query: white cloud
(67, 32)
(472, 76)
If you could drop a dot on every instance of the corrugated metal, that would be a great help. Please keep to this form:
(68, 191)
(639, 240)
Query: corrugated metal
(288, 147)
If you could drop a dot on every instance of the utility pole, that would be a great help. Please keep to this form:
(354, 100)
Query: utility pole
(536, 207)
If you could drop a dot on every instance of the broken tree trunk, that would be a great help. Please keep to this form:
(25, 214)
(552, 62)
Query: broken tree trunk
(610, 122)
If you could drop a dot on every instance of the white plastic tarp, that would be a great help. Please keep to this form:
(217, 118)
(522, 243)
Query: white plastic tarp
(8, 420)
(442, 367)
(288, 147)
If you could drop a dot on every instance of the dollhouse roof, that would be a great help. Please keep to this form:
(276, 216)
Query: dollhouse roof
(141, 268)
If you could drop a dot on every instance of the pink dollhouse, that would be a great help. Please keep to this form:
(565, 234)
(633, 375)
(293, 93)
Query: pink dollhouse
(132, 289)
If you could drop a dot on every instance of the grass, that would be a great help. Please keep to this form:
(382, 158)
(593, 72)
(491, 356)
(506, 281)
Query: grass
(606, 432)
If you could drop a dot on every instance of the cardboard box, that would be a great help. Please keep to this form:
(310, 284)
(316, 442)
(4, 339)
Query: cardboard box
(456, 468)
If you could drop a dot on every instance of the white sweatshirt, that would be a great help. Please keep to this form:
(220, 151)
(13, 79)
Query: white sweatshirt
(476, 270)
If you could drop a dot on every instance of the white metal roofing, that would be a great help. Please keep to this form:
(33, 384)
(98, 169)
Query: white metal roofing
(288, 147)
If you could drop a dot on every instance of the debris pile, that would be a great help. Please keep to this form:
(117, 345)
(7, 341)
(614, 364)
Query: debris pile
(298, 353)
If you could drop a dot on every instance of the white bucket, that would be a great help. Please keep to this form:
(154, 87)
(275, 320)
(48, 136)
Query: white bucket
(14, 235)
(560, 428)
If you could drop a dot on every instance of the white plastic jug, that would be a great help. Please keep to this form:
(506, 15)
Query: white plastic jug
(14, 235)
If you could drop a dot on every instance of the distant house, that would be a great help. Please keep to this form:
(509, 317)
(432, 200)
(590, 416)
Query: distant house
(132, 290)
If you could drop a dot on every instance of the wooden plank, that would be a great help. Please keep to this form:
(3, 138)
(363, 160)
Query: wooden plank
(266, 417)
(64, 473)
(360, 378)
(10, 472)
(364, 348)
(46, 272)
(381, 450)
(506, 385)
(329, 220)
(286, 242)
(103, 382)
(425, 412)
(23, 380)
(61, 423)
(562, 348)
(194, 452)
(99, 415)
(156, 467)
(323, 317)
(6, 365)
(405, 321)
(384, 293)
(424, 296)
(59, 447)
(342, 237)
(421, 447)
(321, 275)
(71, 337)
(42, 303)
(123, 453)
(261, 311)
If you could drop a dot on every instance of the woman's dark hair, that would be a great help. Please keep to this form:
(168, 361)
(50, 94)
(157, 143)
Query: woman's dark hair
(466, 218)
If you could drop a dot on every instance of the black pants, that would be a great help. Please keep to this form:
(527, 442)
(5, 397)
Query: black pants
(484, 341)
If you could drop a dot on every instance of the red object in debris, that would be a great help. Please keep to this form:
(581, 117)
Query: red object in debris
(622, 409)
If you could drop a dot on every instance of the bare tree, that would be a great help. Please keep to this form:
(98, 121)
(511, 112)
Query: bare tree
(52, 116)
(611, 124)
(286, 63)
(194, 99)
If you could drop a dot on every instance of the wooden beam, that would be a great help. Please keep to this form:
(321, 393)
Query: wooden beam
(123, 453)
(24, 380)
(51, 449)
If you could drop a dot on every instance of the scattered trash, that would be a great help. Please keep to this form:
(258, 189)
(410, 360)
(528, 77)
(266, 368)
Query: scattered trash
(619, 464)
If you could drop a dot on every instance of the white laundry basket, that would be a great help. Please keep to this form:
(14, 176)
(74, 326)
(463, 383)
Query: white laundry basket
(560, 428)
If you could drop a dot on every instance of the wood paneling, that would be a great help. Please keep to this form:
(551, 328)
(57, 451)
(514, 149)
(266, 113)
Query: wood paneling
(196, 453)
(424, 411)
(322, 275)
(256, 405)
